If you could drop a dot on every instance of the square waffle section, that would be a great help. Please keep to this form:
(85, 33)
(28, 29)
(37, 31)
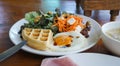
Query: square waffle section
(38, 38)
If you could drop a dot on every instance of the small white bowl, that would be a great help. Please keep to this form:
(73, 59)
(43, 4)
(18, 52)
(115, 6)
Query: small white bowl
(111, 43)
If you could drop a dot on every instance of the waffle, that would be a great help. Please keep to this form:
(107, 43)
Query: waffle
(38, 38)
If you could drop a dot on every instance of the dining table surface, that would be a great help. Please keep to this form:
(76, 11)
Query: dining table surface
(13, 10)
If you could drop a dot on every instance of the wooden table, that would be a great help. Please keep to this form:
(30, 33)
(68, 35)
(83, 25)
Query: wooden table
(89, 5)
(13, 10)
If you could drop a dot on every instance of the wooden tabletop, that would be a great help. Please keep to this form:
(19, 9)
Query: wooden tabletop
(13, 10)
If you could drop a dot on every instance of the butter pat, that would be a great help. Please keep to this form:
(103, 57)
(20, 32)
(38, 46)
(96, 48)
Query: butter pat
(71, 21)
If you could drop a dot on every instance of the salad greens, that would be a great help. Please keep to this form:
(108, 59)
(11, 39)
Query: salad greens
(38, 19)
(31, 16)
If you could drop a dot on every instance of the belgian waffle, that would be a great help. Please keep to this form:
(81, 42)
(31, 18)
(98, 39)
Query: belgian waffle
(38, 38)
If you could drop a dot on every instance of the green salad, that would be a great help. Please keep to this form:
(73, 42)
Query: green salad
(38, 19)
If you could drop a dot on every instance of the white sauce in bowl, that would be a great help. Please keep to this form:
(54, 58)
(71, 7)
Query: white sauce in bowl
(114, 33)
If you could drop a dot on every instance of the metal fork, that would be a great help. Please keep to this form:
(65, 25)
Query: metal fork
(11, 51)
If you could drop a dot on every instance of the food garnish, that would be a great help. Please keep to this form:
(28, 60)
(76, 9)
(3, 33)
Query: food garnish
(68, 22)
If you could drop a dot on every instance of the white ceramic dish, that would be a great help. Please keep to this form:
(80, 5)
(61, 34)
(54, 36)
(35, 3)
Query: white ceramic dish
(94, 59)
(111, 43)
(95, 34)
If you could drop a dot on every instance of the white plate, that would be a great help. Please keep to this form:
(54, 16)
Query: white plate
(94, 59)
(95, 34)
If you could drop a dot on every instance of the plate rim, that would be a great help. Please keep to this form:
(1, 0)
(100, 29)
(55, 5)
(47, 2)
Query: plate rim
(98, 56)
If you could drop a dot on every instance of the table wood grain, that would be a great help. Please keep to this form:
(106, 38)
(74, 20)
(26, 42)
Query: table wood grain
(13, 10)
